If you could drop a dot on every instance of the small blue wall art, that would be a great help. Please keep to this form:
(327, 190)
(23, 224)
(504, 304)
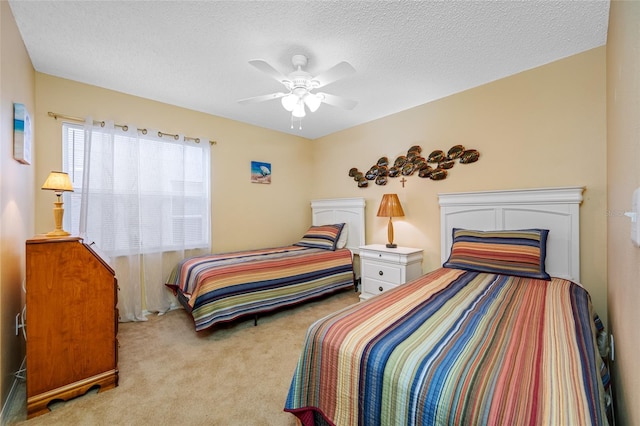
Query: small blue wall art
(21, 134)
(260, 172)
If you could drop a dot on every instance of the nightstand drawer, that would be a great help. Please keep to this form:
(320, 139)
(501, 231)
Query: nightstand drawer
(377, 255)
(373, 287)
(381, 272)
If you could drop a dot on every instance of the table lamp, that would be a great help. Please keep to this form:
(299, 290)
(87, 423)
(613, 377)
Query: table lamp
(58, 182)
(390, 207)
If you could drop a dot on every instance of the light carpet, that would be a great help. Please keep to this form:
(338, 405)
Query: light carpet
(236, 374)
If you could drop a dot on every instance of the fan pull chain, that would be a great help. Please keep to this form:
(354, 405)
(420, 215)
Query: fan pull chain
(299, 125)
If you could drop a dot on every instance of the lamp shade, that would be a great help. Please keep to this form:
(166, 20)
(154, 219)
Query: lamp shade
(312, 101)
(58, 182)
(390, 206)
(289, 102)
(299, 111)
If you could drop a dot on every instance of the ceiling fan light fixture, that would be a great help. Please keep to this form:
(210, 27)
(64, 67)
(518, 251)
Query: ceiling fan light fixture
(300, 89)
(312, 101)
(290, 101)
(299, 111)
(299, 84)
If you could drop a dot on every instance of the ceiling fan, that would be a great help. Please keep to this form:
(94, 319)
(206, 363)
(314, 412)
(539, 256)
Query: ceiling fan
(300, 86)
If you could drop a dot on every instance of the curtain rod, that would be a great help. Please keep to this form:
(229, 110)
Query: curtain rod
(124, 127)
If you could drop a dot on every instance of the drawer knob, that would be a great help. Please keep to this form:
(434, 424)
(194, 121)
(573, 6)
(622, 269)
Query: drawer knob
(380, 288)
(380, 273)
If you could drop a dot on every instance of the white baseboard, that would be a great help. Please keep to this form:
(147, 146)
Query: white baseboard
(11, 397)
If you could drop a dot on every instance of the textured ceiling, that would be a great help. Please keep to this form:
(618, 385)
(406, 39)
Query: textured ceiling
(195, 54)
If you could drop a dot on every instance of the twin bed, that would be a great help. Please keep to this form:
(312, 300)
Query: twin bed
(496, 336)
(223, 287)
(503, 333)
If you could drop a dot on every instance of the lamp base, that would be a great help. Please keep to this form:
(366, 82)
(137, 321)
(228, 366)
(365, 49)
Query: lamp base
(57, 233)
(392, 245)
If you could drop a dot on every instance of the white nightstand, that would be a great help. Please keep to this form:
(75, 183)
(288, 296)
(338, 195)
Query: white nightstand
(384, 268)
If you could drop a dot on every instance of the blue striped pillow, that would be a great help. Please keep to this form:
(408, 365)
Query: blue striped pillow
(514, 252)
(323, 236)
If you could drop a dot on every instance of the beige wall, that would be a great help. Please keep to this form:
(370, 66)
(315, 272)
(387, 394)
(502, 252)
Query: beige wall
(244, 214)
(543, 127)
(16, 195)
(623, 176)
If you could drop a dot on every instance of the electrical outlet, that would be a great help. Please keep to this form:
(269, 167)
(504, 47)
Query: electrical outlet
(612, 348)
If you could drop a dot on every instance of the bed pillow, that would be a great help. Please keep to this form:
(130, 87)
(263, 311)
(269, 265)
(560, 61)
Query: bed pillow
(513, 252)
(323, 236)
(342, 240)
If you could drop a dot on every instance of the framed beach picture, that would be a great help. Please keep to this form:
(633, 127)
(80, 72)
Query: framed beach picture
(21, 134)
(260, 172)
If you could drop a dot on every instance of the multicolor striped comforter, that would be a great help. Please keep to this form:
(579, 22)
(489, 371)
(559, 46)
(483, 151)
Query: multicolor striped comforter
(223, 287)
(455, 348)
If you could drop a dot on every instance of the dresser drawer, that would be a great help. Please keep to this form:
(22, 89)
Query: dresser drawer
(382, 272)
(373, 287)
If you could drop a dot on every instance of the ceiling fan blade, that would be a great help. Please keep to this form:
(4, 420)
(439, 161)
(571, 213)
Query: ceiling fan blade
(269, 70)
(262, 98)
(338, 101)
(337, 72)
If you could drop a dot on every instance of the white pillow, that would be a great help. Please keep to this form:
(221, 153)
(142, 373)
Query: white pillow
(342, 239)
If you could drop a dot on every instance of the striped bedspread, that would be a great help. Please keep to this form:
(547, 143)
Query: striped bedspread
(455, 348)
(223, 287)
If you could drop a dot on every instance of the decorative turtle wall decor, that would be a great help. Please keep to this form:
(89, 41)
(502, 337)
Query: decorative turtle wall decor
(414, 163)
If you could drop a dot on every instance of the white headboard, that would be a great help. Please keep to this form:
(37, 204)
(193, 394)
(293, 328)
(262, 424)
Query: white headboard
(338, 210)
(555, 209)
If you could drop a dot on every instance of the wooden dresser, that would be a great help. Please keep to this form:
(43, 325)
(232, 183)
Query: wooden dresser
(72, 321)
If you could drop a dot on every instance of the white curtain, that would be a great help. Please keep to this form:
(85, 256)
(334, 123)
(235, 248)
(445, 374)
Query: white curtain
(145, 204)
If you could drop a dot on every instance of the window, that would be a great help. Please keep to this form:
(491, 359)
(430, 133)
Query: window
(144, 193)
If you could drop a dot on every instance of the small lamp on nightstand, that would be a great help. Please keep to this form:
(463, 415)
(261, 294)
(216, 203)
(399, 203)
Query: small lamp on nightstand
(58, 182)
(390, 207)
